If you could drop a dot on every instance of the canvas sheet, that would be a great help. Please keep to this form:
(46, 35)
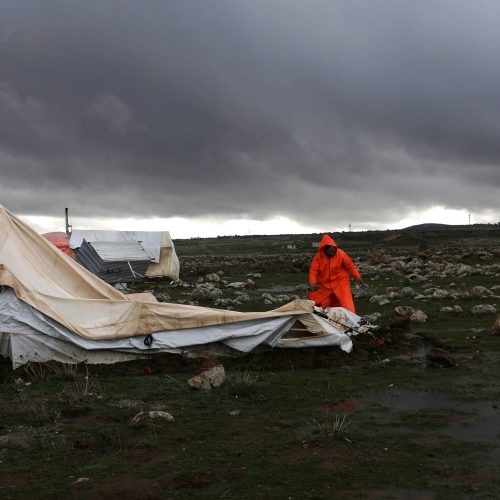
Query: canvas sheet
(28, 335)
(61, 289)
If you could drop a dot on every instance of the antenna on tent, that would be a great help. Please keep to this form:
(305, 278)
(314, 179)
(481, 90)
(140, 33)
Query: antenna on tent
(69, 226)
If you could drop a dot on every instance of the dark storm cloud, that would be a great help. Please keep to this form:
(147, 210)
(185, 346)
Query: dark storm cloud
(323, 110)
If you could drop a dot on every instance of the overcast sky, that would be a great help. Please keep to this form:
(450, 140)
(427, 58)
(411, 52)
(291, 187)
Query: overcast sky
(318, 113)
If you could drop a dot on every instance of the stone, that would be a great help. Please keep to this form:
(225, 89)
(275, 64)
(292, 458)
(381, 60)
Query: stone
(156, 414)
(243, 297)
(210, 375)
(404, 310)
(379, 299)
(408, 291)
(237, 285)
(400, 322)
(480, 292)
(398, 266)
(206, 291)
(495, 329)
(447, 310)
(213, 277)
(373, 317)
(361, 292)
(416, 278)
(418, 317)
(439, 293)
(458, 309)
(440, 357)
(483, 309)
(153, 414)
(162, 296)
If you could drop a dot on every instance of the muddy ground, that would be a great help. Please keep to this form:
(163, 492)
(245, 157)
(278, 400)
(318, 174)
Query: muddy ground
(381, 422)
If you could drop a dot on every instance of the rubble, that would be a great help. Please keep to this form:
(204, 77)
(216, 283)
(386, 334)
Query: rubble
(483, 309)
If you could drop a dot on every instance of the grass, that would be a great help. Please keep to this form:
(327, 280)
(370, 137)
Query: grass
(300, 424)
(287, 425)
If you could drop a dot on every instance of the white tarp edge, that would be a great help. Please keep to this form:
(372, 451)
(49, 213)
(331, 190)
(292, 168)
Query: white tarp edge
(28, 335)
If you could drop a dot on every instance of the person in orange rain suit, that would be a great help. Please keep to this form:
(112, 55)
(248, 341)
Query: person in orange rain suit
(329, 276)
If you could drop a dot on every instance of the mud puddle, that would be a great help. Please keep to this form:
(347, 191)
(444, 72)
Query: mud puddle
(407, 411)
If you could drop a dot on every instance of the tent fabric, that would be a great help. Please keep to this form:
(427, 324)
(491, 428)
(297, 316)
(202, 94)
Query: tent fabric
(51, 308)
(27, 335)
(168, 264)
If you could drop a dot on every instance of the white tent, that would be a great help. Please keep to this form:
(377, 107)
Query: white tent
(51, 308)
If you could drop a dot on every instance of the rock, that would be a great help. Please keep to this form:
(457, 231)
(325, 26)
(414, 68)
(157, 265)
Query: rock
(153, 414)
(243, 297)
(463, 269)
(400, 322)
(206, 291)
(226, 302)
(211, 374)
(250, 283)
(81, 480)
(439, 293)
(162, 296)
(480, 292)
(458, 309)
(381, 300)
(361, 292)
(495, 329)
(213, 277)
(483, 309)
(237, 285)
(404, 310)
(418, 317)
(440, 357)
(408, 291)
(398, 266)
(373, 317)
(447, 310)
(416, 278)
(161, 415)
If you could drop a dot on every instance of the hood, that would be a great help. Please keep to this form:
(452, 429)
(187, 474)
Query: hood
(327, 241)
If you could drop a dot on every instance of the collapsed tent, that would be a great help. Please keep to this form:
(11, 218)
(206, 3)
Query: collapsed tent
(51, 308)
(158, 245)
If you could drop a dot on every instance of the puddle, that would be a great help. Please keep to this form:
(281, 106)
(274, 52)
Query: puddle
(481, 422)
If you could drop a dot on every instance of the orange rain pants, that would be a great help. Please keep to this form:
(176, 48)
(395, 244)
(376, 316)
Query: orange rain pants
(332, 276)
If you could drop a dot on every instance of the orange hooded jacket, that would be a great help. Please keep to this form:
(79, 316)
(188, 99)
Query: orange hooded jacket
(332, 275)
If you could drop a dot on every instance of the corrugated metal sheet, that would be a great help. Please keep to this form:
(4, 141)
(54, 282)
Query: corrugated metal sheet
(124, 268)
(115, 252)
